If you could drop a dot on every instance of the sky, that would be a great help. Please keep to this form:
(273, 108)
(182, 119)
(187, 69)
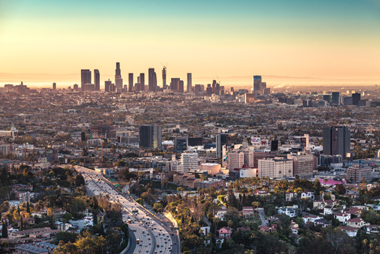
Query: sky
(287, 42)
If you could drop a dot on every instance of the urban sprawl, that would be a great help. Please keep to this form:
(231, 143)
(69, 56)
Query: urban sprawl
(183, 168)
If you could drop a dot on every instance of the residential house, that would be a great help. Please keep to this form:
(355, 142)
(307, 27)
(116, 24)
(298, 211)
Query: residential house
(247, 211)
(322, 222)
(291, 212)
(269, 229)
(343, 217)
(357, 223)
(310, 218)
(294, 227)
(307, 194)
(372, 229)
(220, 213)
(225, 232)
(290, 196)
(351, 232)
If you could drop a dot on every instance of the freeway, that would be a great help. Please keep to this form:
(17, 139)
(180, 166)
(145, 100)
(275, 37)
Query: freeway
(151, 236)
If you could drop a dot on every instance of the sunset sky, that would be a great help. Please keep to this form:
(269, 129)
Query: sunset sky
(292, 41)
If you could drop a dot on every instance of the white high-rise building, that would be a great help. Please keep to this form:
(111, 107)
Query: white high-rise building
(235, 160)
(275, 168)
(189, 162)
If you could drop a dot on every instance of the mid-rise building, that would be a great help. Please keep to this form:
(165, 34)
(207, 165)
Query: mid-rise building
(275, 168)
(356, 173)
(249, 158)
(336, 141)
(235, 160)
(189, 162)
(303, 164)
(151, 136)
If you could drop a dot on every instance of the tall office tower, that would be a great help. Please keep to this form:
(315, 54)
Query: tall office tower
(209, 89)
(221, 141)
(142, 82)
(76, 87)
(181, 88)
(213, 86)
(263, 87)
(217, 89)
(130, 82)
(97, 80)
(152, 79)
(117, 71)
(151, 136)
(107, 86)
(189, 83)
(256, 84)
(54, 86)
(174, 84)
(336, 141)
(164, 78)
(118, 79)
(235, 160)
(355, 98)
(335, 98)
(85, 78)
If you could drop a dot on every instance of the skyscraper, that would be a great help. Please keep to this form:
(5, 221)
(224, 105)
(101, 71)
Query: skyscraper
(355, 98)
(130, 82)
(256, 84)
(174, 84)
(118, 79)
(107, 86)
(54, 86)
(142, 82)
(97, 80)
(85, 78)
(164, 78)
(213, 86)
(221, 140)
(152, 79)
(336, 141)
(151, 136)
(181, 86)
(189, 83)
(335, 98)
(117, 71)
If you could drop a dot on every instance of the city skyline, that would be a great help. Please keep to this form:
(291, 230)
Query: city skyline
(293, 43)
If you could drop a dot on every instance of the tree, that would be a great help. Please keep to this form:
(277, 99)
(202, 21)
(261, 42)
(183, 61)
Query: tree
(157, 207)
(27, 207)
(340, 189)
(67, 216)
(5, 230)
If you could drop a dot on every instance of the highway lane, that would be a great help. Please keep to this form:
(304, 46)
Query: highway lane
(153, 237)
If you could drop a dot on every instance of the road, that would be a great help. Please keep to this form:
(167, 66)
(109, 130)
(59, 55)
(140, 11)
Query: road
(151, 235)
(264, 222)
